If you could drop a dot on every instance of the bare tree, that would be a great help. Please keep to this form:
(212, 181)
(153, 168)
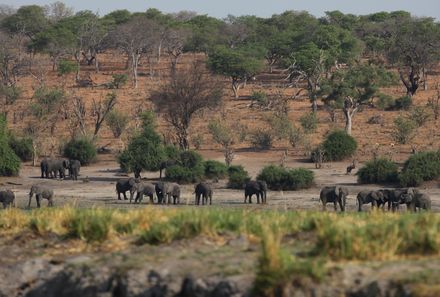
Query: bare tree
(188, 93)
(57, 11)
(434, 103)
(12, 63)
(175, 39)
(100, 110)
(133, 38)
(79, 113)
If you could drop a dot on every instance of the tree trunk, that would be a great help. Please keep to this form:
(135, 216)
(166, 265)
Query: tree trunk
(134, 69)
(348, 122)
(236, 88)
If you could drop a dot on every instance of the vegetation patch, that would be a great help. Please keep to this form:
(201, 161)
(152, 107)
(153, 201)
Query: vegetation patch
(378, 171)
(280, 178)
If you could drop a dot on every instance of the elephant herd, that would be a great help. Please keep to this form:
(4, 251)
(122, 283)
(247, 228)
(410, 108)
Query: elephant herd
(168, 193)
(393, 198)
(51, 168)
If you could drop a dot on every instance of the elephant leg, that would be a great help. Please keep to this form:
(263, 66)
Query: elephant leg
(335, 205)
(324, 205)
(29, 204)
(119, 195)
(50, 202)
(125, 195)
(342, 205)
(151, 199)
(38, 200)
(359, 206)
(210, 199)
(139, 197)
(258, 198)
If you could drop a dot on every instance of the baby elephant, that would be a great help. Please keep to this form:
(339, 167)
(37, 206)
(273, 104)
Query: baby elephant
(7, 198)
(74, 168)
(204, 191)
(142, 189)
(40, 192)
(166, 191)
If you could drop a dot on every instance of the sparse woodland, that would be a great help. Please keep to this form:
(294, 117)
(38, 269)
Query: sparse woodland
(244, 81)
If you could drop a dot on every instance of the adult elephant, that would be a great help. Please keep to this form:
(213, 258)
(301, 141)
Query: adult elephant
(394, 197)
(142, 189)
(255, 187)
(167, 191)
(41, 192)
(50, 168)
(376, 198)
(334, 194)
(203, 191)
(74, 168)
(124, 185)
(7, 198)
(416, 200)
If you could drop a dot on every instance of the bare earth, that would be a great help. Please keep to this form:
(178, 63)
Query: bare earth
(96, 185)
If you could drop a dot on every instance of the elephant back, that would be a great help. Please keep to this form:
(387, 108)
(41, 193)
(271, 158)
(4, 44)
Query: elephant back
(327, 193)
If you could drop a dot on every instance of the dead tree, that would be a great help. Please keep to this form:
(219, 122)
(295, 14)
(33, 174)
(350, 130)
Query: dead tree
(79, 112)
(100, 110)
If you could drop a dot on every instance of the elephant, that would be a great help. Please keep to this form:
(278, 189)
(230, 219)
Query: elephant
(40, 192)
(416, 200)
(74, 168)
(124, 185)
(142, 189)
(166, 191)
(51, 167)
(257, 187)
(394, 198)
(204, 191)
(7, 198)
(335, 194)
(376, 198)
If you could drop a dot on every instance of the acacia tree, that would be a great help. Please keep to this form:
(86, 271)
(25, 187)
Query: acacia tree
(188, 93)
(354, 87)
(240, 64)
(414, 48)
(133, 37)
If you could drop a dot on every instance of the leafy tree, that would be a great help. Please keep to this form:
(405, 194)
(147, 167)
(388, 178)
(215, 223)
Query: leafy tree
(205, 33)
(145, 150)
(81, 149)
(225, 135)
(338, 145)
(403, 129)
(188, 93)
(354, 87)
(9, 162)
(240, 64)
(117, 122)
(28, 20)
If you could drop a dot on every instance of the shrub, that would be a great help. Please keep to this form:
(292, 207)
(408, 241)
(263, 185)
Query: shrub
(238, 176)
(404, 103)
(22, 147)
(420, 167)
(81, 149)
(66, 67)
(9, 162)
(385, 102)
(260, 98)
(262, 139)
(280, 178)
(10, 93)
(189, 168)
(378, 171)
(338, 145)
(419, 116)
(197, 140)
(47, 100)
(119, 80)
(309, 122)
(117, 121)
(215, 169)
(403, 130)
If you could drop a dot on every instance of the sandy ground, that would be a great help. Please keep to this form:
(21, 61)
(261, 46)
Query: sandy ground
(96, 185)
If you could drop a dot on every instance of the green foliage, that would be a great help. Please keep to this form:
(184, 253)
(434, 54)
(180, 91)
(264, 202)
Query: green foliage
(90, 225)
(215, 169)
(221, 133)
(420, 167)
(119, 80)
(10, 93)
(145, 150)
(385, 102)
(280, 178)
(66, 67)
(9, 162)
(260, 98)
(238, 176)
(419, 115)
(377, 172)
(261, 139)
(29, 19)
(47, 101)
(309, 122)
(117, 122)
(404, 103)
(338, 145)
(81, 149)
(22, 147)
(404, 129)
(189, 168)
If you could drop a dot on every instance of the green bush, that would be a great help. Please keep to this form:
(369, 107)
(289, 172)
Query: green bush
(404, 129)
(22, 147)
(280, 178)
(420, 167)
(260, 98)
(378, 171)
(66, 67)
(419, 115)
(9, 162)
(404, 103)
(117, 121)
(47, 101)
(385, 102)
(309, 122)
(189, 168)
(215, 169)
(262, 139)
(81, 149)
(338, 145)
(238, 176)
(119, 80)
(10, 93)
